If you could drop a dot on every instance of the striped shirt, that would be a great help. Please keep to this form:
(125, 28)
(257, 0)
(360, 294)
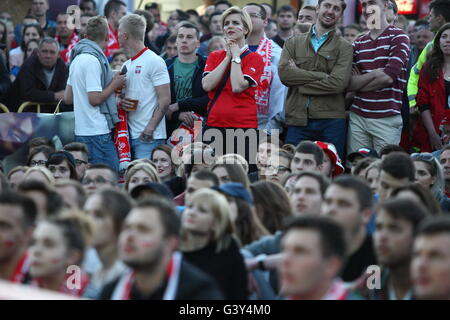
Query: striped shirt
(390, 51)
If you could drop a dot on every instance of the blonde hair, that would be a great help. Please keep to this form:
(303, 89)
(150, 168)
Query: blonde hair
(147, 168)
(134, 25)
(97, 28)
(17, 169)
(217, 204)
(47, 174)
(245, 17)
(232, 158)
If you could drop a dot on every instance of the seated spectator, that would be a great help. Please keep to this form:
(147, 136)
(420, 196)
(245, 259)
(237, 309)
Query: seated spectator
(40, 174)
(114, 11)
(207, 241)
(140, 173)
(15, 176)
(162, 157)
(271, 29)
(62, 165)
(108, 209)
(16, 56)
(97, 177)
(66, 37)
(4, 184)
(72, 192)
(39, 156)
(419, 194)
(272, 205)
(48, 202)
(38, 142)
(80, 152)
(373, 176)
(57, 244)
(360, 169)
(308, 157)
(332, 165)
(307, 193)
(231, 173)
(279, 166)
(203, 179)
(42, 78)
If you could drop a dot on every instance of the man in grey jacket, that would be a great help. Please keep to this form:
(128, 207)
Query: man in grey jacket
(90, 88)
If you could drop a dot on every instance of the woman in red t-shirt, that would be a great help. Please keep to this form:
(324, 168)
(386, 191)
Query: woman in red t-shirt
(235, 106)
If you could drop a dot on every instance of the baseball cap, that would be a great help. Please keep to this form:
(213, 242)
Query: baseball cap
(331, 151)
(236, 190)
(363, 152)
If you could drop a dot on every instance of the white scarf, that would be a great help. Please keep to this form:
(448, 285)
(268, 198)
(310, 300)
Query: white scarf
(262, 94)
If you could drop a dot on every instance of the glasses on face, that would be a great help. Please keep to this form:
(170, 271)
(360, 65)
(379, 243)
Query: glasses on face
(34, 163)
(422, 156)
(284, 169)
(79, 162)
(61, 170)
(97, 180)
(255, 15)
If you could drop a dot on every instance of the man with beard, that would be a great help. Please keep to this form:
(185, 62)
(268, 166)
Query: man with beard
(147, 244)
(286, 18)
(396, 227)
(316, 67)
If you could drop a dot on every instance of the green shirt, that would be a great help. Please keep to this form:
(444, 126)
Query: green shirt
(183, 76)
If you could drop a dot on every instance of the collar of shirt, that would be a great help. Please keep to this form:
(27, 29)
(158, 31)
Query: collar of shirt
(244, 48)
(317, 42)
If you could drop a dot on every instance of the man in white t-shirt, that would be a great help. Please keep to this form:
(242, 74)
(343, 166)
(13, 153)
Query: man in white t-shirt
(147, 81)
(88, 95)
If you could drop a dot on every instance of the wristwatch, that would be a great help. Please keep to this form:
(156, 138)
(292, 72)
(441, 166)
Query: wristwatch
(236, 60)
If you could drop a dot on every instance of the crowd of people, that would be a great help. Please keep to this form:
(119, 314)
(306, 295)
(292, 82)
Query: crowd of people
(233, 153)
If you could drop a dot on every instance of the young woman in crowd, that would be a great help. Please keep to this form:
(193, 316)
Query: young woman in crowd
(272, 204)
(108, 209)
(373, 175)
(31, 47)
(57, 244)
(231, 173)
(421, 194)
(40, 174)
(140, 173)
(233, 158)
(429, 174)
(433, 92)
(15, 176)
(162, 158)
(62, 165)
(242, 212)
(279, 166)
(38, 156)
(208, 242)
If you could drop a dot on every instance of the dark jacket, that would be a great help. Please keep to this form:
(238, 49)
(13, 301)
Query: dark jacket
(4, 78)
(30, 84)
(193, 284)
(199, 99)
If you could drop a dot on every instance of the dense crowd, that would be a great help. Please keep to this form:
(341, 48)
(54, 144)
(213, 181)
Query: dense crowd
(231, 153)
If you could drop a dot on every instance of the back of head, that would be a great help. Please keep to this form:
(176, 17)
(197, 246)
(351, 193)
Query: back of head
(97, 29)
(116, 203)
(28, 207)
(167, 212)
(406, 209)
(359, 186)
(134, 25)
(389, 148)
(434, 226)
(399, 165)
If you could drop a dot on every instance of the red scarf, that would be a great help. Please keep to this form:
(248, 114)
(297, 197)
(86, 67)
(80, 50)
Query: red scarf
(262, 94)
(77, 292)
(65, 54)
(113, 42)
(21, 269)
(125, 284)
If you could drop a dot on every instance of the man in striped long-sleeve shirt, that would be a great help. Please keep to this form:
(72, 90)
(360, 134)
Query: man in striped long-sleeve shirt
(379, 77)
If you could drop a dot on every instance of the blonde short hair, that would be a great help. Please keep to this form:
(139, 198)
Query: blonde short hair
(134, 25)
(97, 28)
(147, 168)
(217, 204)
(47, 174)
(245, 17)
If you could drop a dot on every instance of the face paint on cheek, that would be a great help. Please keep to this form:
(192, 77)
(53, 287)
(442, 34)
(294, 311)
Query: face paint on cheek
(148, 244)
(55, 261)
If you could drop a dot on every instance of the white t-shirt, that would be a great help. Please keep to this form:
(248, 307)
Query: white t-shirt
(85, 76)
(145, 71)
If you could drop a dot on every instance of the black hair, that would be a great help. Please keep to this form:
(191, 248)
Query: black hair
(309, 147)
(91, 1)
(105, 167)
(59, 157)
(113, 5)
(117, 204)
(332, 239)
(190, 25)
(28, 207)
(359, 186)
(223, 2)
(434, 225)
(287, 8)
(441, 7)
(54, 202)
(344, 5)
(320, 178)
(206, 175)
(399, 165)
(389, 148)
(168, 214)
(38, 27)
(399, 208)
(262, 11)
(215, 13)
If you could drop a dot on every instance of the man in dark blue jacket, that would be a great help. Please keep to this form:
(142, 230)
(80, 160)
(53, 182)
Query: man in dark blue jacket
(186, 72)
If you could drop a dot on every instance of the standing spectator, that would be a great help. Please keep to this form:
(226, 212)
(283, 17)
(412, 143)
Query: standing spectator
(307, 193)
(439, 15)
(149, 83)
(430, 266)
(185, 72)
(17, 216)
(114, 11)
(348, 201)
(433, 95)
(39, 10)
(66, 37)
(444, 159)
(5, 81)
(88, 7)
(222, 6)
(232, 97)
(351, 32)
(307, 14)
(215, 29)
(392, 12)
(397, 223)
(156, 221)
(271, 29)
(286, 19)
(80, 152)
(169, 49)
(160, 27)
(175, 18)
(150, 24)
(118, 59)
(207, 241)
(90, 88)
(375, 116)
(314, 252)
(42, 77)
(271, 93)
(308, 157)
(317, 79)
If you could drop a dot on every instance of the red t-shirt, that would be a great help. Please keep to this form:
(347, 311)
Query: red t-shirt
(235, 110)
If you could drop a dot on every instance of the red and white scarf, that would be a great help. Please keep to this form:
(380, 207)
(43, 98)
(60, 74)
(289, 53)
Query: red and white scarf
(337, 291)
(262, 94)
(76, 292)
(113, 42)
(21, 269)
(125, 284)
(65, 53)
(122, 141)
